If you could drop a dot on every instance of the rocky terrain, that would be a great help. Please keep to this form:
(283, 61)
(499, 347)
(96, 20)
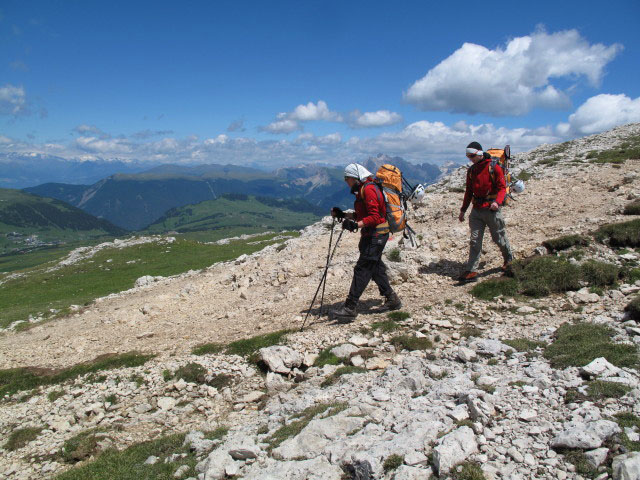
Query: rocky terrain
(469, 401)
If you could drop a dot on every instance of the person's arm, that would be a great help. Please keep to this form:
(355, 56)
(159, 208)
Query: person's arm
(371, 196)
(501, 187)
(468, 195)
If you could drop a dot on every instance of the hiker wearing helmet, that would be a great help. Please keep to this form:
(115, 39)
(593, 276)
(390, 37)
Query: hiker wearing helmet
(486, 189)
(370, 218)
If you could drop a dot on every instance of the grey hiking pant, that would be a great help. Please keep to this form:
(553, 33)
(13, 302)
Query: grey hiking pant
(478, 220)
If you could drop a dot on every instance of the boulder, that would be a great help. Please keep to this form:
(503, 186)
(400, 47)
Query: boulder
(454, 448)
(317, 468)
(280, 358)
(600, 367)
(626, 467)
(596, 457)
(345, 350)
(585, 435)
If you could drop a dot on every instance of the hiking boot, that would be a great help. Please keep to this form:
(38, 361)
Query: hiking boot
(467, 277)
(347, 312)
(392, 302)
(506, 266)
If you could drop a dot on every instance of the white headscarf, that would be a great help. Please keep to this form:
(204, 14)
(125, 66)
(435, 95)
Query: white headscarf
(356, 170)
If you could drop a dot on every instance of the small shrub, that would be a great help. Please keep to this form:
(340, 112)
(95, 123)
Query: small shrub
(632, 208)
(580, 343)
(541, 276)
(54, 395)
(468, 471)
(470, 331)
(341, 371)
(567, 241)
(392, 462)
(549, 161)
(386, 326)
(630, 275)
(600, 389)
(325, 357)
(490, 289)
(208, 348)
(523, 344)
(167, 375)
(599, 274)
(249, 346)
(112, 399)
(624, 234)
(394, 255)
(524, 175)
(398, 316)
(406, 342)
(192, 373)
(633, 307)
(20, 437)
(82, 446)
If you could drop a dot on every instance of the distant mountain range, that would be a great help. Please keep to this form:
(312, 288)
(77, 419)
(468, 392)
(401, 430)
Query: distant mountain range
(134, 201)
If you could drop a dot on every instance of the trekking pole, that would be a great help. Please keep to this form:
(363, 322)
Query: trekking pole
(324, 277)
(326, 273)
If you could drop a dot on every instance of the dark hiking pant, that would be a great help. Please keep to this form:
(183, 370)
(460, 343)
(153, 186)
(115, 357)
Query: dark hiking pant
(479, 219)
(370, 266)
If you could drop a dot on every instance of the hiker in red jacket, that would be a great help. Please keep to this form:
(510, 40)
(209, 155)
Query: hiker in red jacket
(486, 189)
(370, 218)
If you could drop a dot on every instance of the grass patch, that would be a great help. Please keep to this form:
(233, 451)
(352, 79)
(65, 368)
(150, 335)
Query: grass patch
(325, 357)
(540, 276)
(39, 291)
(523, 344)
(578, 459)
(633, 307)
(580, 343)
(54, 395)
(600, 389)
(394, 255)
(392, 462)
(599, 274)
(629, 149)
(406, 342)
(21, 436)
(632, 208)
(297, 422)
(489, 289)
(630, 275)
(524, 176)
(628, 420)
(398, 316)
(386, 326)
(348, 370)
(82, 446)
(564, 242)
(549, 161)
(196, 373)
(128, 464)
(468, 471)
(249, 346)
(26, 378)
(208, 348)
(624, 234)
(470, 331)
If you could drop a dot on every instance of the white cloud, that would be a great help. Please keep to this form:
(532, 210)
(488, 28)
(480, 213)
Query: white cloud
(601, 113)
(287, 122)
(511, 80)
(219, 140)
(379, 118)
(13, 100)
(103, 146)
(5, 140)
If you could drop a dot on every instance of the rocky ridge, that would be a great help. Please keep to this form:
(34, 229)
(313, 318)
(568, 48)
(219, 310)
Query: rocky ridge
(470, 398)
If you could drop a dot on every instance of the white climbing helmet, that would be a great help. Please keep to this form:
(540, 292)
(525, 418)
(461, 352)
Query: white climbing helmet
(417, 194)
(517, 187)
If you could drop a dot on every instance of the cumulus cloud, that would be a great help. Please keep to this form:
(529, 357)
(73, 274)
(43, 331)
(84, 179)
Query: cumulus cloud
(379, 118)
(13, 100)
(601, 113)
(511, 80)
(287, 122)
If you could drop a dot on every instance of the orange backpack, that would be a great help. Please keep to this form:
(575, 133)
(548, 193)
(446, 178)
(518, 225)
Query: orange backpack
(502, 157)
(389, 179)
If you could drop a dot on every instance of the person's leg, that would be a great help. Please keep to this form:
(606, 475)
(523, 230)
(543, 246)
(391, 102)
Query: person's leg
(499, 235)
(364, 268)
(477, 226)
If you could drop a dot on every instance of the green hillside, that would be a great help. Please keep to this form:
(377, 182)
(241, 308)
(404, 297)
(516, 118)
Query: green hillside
(236, 214)
(28, 221)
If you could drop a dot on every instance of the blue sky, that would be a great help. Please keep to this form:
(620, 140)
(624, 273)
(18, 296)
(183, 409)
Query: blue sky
(273, 83)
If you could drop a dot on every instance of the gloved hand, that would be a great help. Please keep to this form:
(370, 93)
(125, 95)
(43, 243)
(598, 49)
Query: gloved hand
(350, 225)
(337, 212)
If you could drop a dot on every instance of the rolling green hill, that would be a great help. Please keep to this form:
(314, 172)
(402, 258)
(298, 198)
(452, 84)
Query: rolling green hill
(28, 221)
(236, 214)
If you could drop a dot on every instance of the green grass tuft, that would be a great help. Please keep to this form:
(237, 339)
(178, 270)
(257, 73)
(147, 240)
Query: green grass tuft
(208, 348)
(633, 307)
(468, 471)
(578, 459)
(580, 343)
(392, 462)
(249, 346)
(18, 379)
(82, 446)
(192, 373)
(629, 149)
(406, 342)
(21, 436)
(325, 357)
(567, 241)
(599, 274)
(398, 316)
(524, 175)
(624, 234)
(632, 208)
(523, 344)
(54, 395)
(628, 420)
(541, 276)
(490, 289)
(394, 255)
(386, 326)
(600, 389)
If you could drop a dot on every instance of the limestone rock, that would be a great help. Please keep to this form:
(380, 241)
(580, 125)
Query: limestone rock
(280, 358)
(626, 467)
(600, 367)
(585, 435)
(454, 448)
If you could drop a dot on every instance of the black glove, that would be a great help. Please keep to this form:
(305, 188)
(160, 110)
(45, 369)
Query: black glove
(350, 225)
(337, 212)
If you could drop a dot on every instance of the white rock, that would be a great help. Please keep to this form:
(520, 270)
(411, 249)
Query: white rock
(166, 403)
(626, 467)
(280, 358)
(600, 367)
(453, 448)
(466, 354)
(344, 351)
(376, 363)
(252, 397)
(359, 340)
(527, 415)
(151, 460)
(526, 309)
(596, 457)
(357, 361)
(276, 383)
(587, 436)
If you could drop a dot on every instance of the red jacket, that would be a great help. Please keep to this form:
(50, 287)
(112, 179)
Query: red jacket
(481, 189)
(369, 207)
